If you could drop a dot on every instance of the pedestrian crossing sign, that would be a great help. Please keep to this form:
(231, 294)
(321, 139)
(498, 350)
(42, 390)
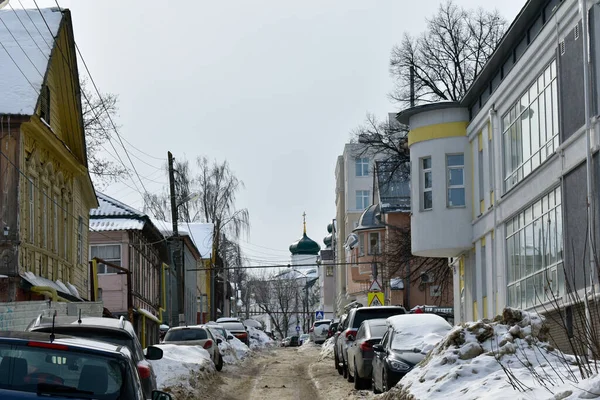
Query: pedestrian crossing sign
(375, 299)
(318, 315)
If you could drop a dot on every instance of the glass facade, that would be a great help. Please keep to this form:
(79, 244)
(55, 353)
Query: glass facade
(530, 129)
(534, 245)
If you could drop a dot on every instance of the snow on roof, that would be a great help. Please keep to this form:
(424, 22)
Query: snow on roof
(116, 224)
(110, 207)
(59, 286)
(202, 236)
(418, 331)
(30, 51)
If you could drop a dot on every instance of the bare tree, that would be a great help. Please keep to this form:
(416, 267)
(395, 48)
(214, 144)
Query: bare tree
(280, 298)
(443, 61)
(97, 113)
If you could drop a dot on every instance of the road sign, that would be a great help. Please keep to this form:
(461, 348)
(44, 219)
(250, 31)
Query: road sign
(375, 299)
(375, 286)
(297, 328)
(318, 315)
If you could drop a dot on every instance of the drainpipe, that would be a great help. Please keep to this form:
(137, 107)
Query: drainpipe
(48, 291)
(583, 10)
(163, 290)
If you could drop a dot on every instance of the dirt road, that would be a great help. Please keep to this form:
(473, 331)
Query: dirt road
(282, 374)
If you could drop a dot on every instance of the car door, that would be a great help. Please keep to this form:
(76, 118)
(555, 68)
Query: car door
(354, 349)
(379, 360)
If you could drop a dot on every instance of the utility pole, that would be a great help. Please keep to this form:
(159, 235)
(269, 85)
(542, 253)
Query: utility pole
(176, 242)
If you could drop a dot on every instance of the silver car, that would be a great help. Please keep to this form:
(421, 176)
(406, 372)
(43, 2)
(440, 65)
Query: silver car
(318, 332)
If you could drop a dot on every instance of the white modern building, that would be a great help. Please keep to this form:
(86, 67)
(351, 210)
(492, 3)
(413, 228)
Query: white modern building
(500, 179)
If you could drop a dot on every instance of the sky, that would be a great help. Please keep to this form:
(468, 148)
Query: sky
(273, 87)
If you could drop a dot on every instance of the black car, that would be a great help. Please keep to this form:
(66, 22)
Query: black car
(406, 342)
(332, 328)
(34, 365)
(112, 330)
(336, 335)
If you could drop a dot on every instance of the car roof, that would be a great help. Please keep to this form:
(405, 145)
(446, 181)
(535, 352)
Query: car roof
(71, 341)
(228, 319)
(177, 328)
(99, 322)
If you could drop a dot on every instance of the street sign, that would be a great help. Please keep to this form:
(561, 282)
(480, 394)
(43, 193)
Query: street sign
(375, 299)
(297, 328)
(318, 315)
(375, 286)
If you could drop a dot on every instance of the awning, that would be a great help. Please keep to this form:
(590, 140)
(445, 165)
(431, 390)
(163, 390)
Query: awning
(66, 291)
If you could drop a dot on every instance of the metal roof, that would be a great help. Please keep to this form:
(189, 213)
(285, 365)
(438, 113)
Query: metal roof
(110, 207)
(116, 224)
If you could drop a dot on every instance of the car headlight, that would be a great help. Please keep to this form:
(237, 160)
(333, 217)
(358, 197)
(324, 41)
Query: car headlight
(399, 365)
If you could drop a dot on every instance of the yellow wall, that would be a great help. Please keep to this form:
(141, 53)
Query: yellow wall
(54, 158)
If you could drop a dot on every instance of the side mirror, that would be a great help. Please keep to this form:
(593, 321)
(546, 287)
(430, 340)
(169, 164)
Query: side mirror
(219, 341)
(350, 338)
(158, 395)
(230, 337)
(378, 348)
(154, 353)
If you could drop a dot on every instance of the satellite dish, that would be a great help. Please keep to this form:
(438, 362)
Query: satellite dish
(351, 241)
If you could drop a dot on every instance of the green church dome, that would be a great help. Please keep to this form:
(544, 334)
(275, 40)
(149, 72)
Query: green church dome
(305, 246)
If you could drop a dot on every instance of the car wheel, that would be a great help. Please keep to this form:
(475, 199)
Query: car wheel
(358, 381)
(339, 367)
(335, 360)
(344, 370)
(219, 364)
(350, 377)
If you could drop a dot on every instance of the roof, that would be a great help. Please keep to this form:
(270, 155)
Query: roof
(369, 219)
(504, 49)
(393, 188)
(305, 246)
(404, 116)
(67, 290)
(110, 207)
(26, 42)
(112, 215)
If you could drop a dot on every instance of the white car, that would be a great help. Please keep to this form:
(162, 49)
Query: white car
(318, 332)
(197, 335)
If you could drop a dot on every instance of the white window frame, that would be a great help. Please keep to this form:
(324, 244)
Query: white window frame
(365, 196)
(362, 166)
(108, 260)
(449, 186)
(424, 172)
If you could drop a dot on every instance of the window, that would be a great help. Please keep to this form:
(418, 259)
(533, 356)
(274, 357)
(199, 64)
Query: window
(455, 163)
(373, 242)
(110, 253)
(483, 271)
(44, 220)
(535, 253)
(427, 200)
(45, 104)
(362, 166)
(481, 180)
(329, 270)
(362, 199)
(361, 244)
(31, 211)
(530, 129)
(80, 241)
(65, 230)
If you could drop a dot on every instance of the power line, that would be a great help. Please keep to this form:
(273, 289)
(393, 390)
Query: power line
(287, 266)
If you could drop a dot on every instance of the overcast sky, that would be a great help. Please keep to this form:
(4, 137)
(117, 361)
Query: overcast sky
(274, 87)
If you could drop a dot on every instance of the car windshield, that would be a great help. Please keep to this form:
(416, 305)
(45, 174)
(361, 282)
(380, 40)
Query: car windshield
(321, 323)
(59, 372)
(377, 331)
(218, 331)
(233, 326)
(182, 335)
(374, 313)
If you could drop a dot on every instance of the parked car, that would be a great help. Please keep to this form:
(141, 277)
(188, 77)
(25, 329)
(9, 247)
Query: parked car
(303, 338)
(34, 365)
(219, 330)
(285, 342)
(112, 330)
(196, 335)
(336, 336)
(355, 317)
(237, 329)
(228, 319)
(360, 352)
(332, 328)
(406, 342)
(318, 331)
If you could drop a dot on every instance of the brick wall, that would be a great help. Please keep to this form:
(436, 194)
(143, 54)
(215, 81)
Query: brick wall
(16, 316)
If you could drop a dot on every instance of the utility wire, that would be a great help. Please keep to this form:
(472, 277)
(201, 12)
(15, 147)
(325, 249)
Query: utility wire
(290, 267)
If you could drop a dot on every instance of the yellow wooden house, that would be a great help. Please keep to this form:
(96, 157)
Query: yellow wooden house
(45, 188)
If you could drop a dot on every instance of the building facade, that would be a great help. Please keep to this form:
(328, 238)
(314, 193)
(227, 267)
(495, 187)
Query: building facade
(500, 179)
(47, 190)
(124, 237)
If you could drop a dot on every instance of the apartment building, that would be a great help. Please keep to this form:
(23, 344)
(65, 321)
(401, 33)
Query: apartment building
(500, 179)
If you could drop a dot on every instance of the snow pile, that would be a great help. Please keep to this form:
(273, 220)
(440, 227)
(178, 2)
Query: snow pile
(181, 366)
(327, 349)
(508, 358)
(258, 338)
(418, 331)
(233, 350)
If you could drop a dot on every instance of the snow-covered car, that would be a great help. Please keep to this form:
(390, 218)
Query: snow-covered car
(406, 342)
(196, 335)
(305, 337)
(318, 331)
(237, 329)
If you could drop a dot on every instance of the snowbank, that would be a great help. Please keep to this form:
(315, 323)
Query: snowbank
(485, 359)
(233, 351)
(259, 339)
(181, 366)
(327, 349)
